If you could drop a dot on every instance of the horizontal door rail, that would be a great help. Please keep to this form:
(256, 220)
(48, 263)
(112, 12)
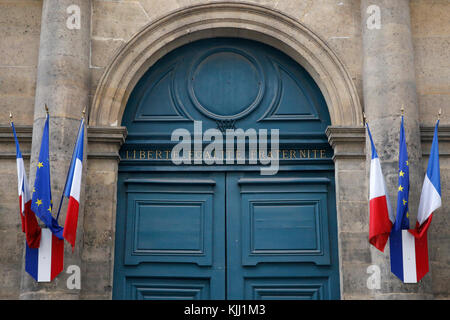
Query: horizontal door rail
(210, 182)
(284, 180)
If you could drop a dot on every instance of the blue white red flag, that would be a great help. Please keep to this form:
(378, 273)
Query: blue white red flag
(409, 256)
(430, 199)
(72, 188)
(29, 222)
(409, 248)
(381, 215)
(46, 262)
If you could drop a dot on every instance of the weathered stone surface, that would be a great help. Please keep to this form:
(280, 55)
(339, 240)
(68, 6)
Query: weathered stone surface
(99, 228)
(430, 18)
(354, 281)
(11, 236)
(99, 217)
(19, 45)
(432, 77)
(117, 20)
(430, 104)
(440, 280)
(353, 217)
(102, 51)
(349, 190)
(354, 247)
(10, 257)
(96, 280)
(349, 49)
(20, 30)
(343, 14)
(439, 238)
(431, 36)
(157, 10)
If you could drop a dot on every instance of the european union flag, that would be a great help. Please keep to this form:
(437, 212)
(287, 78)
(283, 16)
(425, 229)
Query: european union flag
(401, 220)
(41, 203)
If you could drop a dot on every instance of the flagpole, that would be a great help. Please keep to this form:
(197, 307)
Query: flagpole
(68, 171)
(47, 115)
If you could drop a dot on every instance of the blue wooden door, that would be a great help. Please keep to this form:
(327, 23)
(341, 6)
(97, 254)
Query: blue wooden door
(170, 236)
(281, 236)
(197, 231)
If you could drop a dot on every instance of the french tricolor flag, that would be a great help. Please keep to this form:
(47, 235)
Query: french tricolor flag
(381, 215)
(430, 199)
(45, 262)
(72, 188)
(29, 222)
(23, 189)
(409, 248)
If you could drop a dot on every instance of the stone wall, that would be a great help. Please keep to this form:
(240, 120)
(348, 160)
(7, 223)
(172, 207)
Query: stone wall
(430, 27)
(20, 24)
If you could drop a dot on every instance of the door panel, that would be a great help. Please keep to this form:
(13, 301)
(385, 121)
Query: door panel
(171, 225)
(159, 288)
(173, 237)
(278, 237)
(287, 288)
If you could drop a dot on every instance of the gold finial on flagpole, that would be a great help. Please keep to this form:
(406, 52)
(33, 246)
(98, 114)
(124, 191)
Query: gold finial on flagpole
(10, 117)
(364, 118)
(439, 113)
(46, 108)
(402, 110)
(84, 112)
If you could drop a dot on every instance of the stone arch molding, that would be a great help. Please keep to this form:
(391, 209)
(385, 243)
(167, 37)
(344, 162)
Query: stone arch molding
(241, 20)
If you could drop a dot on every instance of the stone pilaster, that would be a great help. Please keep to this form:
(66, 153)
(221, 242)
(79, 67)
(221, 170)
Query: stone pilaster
(349, 159)
(63, 84)
(388, 83)
(100, 206)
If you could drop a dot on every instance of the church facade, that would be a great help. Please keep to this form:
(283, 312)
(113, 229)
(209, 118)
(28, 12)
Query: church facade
(280, 213)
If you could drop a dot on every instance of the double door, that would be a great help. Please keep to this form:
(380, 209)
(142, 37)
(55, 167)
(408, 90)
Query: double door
(226, 235)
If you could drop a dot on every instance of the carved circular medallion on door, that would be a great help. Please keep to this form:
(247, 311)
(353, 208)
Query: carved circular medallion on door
(226, 83)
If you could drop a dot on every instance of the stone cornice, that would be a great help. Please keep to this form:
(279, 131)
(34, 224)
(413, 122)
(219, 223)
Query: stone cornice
(24, 133)
(345, 134)
(104, 142)
(347, 142)
(357, 134)
(107, 134)
(96, 135)
(427, 132)
(426, 137)
(351, 139)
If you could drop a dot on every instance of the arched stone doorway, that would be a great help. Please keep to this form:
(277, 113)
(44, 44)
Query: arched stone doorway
(229, 20)
(224, 229)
